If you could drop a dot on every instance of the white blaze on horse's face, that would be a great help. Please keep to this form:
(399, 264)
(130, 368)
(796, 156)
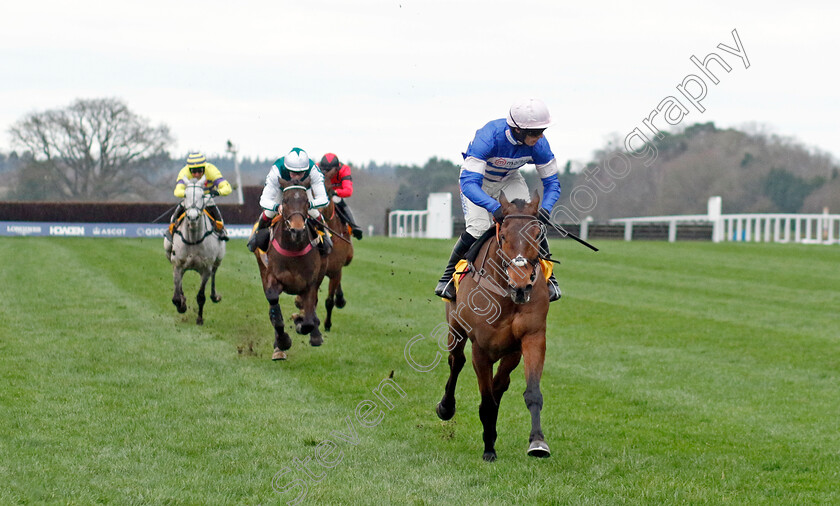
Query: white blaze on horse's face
(194, 201)
(519, 241)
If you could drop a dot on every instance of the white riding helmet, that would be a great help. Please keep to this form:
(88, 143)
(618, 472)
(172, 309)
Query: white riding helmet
(529, 114)
(297, 161)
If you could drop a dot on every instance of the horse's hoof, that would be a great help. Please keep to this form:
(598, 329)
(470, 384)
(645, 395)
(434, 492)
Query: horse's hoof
(284, 343)
(216, 298)
(443, 413)
(340, 303)
(278, 354)
(316, 340)
(327, 326)
(489, 456)
(199, 321)
(304, 328)
(539, 449)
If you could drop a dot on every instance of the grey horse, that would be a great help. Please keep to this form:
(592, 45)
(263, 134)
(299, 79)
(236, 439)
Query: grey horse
(194, 247)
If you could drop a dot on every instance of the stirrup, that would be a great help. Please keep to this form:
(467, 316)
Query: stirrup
(554, 292)
(222, 233)
(446, 289)
(325, 246)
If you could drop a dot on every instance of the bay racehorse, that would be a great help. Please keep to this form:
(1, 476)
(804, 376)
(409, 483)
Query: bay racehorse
(341, 255)
(501, 307)
(194, 247)
(292, 265)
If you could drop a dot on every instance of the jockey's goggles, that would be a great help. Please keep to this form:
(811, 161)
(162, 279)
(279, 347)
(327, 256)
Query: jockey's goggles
(198, 168)
(533, 132)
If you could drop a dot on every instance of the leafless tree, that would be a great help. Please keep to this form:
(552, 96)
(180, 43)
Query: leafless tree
(93, 150)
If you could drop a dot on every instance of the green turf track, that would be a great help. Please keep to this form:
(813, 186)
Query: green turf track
(675, 373)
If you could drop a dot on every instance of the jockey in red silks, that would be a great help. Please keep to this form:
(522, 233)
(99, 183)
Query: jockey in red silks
(342, 185)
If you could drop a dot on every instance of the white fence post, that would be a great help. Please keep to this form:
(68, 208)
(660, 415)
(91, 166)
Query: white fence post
(439, 217)
(584, 229)
(434, 222)
(714, 208)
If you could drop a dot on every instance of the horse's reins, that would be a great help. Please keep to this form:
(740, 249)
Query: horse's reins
(528, 217)
(286, 252)
(168, 211)
(483, 281)
(492, 285)
(209, 231)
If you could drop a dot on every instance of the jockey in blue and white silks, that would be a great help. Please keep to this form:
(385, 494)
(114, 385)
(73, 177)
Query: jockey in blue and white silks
(491, 168)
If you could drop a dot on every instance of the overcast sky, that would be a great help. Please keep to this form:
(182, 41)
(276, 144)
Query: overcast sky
(403, 80)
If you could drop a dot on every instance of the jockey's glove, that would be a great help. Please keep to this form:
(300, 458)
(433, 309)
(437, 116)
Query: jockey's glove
(336, 199)
(313, 213)
(213, 193)
(499, 215)
(544, 216)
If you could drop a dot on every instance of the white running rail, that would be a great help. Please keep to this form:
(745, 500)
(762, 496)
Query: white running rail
(772, 227)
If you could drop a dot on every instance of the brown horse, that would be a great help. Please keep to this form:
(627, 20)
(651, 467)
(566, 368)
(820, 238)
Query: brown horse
(501, 306)
(341, 256)
(292, 265)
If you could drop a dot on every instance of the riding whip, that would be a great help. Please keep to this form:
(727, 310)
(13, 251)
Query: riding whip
(165, 213)
(334, 233)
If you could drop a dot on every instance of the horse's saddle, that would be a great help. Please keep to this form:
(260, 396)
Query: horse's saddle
(472, 253)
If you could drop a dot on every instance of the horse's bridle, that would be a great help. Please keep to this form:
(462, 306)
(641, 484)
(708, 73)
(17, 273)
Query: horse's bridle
(195, 187)
(287, 217)
(202, 211)
(519, 260)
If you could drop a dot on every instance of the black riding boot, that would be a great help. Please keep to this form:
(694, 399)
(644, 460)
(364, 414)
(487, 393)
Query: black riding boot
(262, 224)
(179, 210)
(345, 212)
(326, 244)
(217, 215)
(553, 288)
(445, 287)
